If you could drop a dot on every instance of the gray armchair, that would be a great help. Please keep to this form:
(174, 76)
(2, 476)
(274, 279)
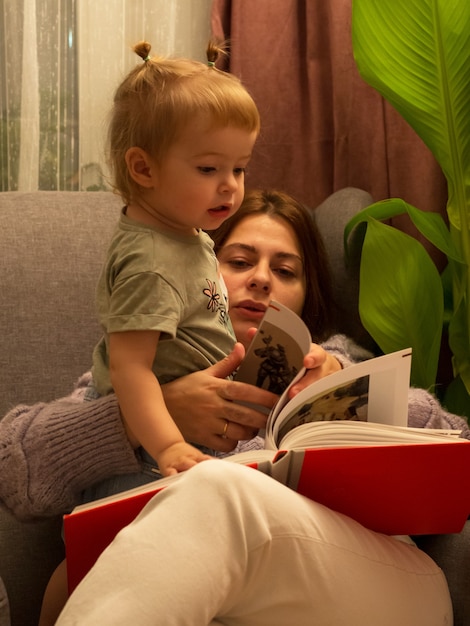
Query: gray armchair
(51, 251)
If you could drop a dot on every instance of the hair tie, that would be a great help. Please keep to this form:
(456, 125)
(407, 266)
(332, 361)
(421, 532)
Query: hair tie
(147, 58)
(211, 63)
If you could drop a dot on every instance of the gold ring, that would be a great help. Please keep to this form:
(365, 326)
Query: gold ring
(224, 434)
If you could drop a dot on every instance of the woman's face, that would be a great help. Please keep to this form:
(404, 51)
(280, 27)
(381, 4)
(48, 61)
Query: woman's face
(261, 261)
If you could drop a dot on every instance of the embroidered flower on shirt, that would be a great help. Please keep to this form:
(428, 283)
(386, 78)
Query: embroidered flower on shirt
(213, 296)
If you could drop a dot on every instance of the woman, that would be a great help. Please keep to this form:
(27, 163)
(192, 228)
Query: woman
(261, 258)
(55, 482)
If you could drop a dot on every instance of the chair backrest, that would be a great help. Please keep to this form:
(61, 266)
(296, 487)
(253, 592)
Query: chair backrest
(52, 246)
(331, 217)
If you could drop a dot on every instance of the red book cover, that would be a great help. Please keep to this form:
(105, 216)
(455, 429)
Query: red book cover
(413, 489)
(406, 489)
(88, 532)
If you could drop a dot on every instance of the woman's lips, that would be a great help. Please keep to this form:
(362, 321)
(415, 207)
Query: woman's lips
(250, 310)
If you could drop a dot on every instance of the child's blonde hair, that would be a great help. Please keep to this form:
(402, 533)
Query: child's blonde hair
(159, 97)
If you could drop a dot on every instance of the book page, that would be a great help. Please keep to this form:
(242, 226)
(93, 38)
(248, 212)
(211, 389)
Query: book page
(372, 391)
(275, 355)
(345, 433)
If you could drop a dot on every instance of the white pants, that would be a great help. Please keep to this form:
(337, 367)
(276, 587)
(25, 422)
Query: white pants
(229, 545)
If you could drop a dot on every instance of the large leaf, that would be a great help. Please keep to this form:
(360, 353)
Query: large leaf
(429, 224)
(401, 298)
(458, 326)
(456, 398)
(417, 55)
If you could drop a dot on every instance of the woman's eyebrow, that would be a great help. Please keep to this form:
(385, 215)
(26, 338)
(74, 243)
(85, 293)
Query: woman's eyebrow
(254, 250)
(288, 255)
(243, 246)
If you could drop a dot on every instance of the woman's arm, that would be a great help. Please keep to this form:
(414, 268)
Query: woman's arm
(214, 400)
(50, 452)
(424, 411)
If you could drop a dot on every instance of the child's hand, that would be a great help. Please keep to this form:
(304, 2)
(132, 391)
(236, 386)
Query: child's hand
(179, 457)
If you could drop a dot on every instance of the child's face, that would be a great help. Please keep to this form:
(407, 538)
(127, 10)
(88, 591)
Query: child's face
(200, 182)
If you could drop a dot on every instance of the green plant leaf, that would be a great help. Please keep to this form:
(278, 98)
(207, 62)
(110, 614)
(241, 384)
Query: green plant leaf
(456, 398)
(458, 329)
(401, 298)
(433, 227)
(417, 55)
(429, 224)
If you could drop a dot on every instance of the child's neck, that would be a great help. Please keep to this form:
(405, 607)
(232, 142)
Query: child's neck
(140, 212)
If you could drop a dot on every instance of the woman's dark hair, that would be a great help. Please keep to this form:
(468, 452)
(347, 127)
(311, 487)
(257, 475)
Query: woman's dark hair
(318, 311)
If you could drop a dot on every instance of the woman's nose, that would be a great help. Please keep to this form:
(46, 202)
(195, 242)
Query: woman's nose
(260, 279)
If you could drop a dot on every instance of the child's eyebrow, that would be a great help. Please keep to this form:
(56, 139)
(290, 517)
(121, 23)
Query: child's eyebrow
(221, 154)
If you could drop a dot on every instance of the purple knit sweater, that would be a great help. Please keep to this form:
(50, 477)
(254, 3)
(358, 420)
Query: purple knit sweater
(50, 453)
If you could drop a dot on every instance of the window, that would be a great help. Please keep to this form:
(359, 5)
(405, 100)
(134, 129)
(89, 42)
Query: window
(60, 61)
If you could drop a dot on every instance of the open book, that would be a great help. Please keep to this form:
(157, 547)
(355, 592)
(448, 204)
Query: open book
(404, 486)
(372, 391)
(342, 442)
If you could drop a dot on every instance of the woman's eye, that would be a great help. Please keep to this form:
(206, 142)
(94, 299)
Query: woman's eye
(238, 263)
(285, 272)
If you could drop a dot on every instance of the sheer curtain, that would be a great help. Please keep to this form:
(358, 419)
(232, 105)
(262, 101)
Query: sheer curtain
(60, 61)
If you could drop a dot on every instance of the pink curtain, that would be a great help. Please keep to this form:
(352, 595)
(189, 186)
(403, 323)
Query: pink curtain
(323, 127)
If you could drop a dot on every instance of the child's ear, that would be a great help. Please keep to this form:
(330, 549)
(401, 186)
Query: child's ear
(141, 167)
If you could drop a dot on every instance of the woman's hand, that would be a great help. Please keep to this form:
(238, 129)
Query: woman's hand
(319, 364)
(205, 405)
